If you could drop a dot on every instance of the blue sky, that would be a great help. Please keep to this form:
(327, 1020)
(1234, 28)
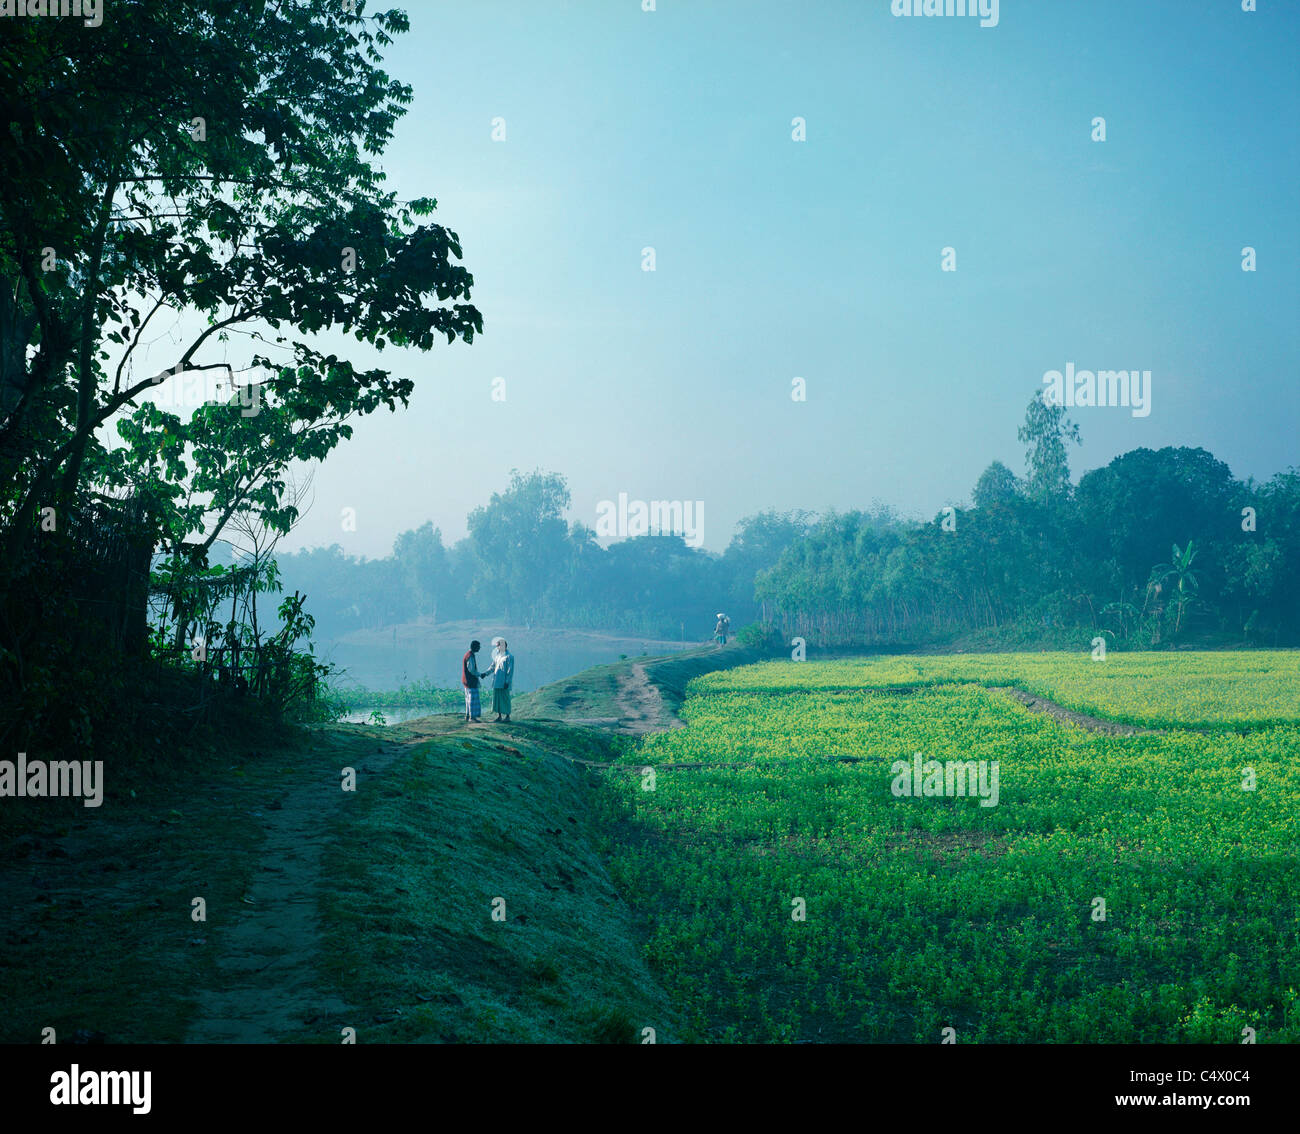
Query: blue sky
(821, 259)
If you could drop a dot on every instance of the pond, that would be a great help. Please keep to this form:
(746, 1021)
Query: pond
(391, 716)
(396, 656)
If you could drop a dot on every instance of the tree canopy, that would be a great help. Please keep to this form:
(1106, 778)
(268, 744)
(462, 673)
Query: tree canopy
(216, 160)
(210, 168)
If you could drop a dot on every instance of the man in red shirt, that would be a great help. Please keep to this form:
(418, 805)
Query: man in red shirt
(469, 679)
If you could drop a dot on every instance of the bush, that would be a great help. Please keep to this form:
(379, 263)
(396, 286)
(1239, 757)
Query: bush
(759, 637)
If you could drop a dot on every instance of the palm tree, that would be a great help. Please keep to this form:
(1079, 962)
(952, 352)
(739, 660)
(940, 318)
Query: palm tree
(1185, 583)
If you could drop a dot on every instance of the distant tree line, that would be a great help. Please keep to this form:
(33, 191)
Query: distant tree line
(522, 562)
(1156, 548)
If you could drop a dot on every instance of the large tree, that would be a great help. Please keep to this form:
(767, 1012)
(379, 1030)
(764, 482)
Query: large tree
(423, 562)
(759, 542)
(997, 485)
(1136, 508)
(211, 159)
(521, 543)
(1044, 434)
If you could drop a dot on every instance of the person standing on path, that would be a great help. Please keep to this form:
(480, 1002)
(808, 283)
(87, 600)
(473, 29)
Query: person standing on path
(503, 678)
(469, 680)
(720, 630)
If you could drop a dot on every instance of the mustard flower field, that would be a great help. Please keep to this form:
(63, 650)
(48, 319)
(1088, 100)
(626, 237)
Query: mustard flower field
(817, 858)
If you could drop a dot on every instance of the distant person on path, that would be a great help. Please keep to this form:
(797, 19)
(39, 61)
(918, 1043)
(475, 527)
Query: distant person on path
(720, 630)
(503, 678)
(469, 679)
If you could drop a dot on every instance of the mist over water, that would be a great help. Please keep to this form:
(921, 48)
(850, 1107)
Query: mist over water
(391, 667)
(389, 658)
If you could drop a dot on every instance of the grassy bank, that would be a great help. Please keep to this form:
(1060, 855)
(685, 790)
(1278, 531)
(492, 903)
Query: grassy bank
(465, 900)
(399, 877)
(600, 693)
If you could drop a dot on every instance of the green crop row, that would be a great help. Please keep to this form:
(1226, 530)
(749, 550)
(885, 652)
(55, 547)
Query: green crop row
(1191, 690)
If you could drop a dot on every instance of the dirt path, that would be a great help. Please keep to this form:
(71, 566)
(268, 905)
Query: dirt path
(1038, 704)
(642, 704)
(267, 957)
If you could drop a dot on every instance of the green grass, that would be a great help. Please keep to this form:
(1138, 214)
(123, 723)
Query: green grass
(96, 925)
(410, 883)
(591, 693)
(417, 695)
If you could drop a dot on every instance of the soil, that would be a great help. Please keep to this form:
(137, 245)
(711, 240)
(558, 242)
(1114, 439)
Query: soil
(1038, 704)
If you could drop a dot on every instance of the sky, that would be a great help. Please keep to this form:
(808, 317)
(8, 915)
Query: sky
(821, 259)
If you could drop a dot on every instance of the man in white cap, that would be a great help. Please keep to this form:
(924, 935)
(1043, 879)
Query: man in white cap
(720, 630)
(502, 674)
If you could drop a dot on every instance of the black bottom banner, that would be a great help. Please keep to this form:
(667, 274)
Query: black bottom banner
(84, 1083)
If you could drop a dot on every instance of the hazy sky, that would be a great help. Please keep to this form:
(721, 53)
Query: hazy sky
(822, 259)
